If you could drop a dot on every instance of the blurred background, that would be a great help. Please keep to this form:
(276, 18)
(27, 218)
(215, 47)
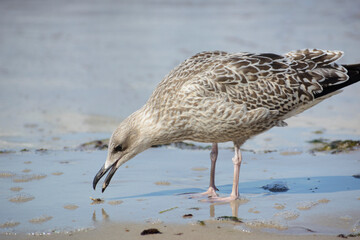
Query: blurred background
(77, 68)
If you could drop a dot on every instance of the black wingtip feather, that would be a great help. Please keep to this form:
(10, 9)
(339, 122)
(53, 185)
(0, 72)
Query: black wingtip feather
(354, 77)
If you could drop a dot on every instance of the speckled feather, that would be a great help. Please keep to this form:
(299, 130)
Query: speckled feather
(219, 97)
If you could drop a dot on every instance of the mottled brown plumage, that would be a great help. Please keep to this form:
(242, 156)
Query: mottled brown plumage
(220, 97)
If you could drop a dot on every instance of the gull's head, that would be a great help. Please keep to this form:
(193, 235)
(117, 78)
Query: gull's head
(126, 142)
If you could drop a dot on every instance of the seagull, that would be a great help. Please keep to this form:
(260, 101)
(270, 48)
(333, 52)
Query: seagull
(216, 97)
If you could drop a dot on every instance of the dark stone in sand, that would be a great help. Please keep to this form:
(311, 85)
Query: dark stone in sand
(276, 187)
(150, 231)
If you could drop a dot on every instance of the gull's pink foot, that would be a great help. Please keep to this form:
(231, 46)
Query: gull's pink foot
(211, 192)
(214, 199)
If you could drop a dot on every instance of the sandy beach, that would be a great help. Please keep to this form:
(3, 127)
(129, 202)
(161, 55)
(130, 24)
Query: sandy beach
(71, 71)
(133, 231)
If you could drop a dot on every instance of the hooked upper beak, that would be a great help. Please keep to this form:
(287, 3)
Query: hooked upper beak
(102, 172)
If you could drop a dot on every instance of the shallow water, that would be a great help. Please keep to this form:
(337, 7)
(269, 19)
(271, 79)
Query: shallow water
(314, 201)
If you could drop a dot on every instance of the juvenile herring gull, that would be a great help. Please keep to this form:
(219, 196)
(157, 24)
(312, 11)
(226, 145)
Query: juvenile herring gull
(218, 97)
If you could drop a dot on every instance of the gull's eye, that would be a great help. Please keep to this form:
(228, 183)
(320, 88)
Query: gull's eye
(118, 148)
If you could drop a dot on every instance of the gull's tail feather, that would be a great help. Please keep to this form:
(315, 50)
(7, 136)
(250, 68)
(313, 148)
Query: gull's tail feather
(353, 71)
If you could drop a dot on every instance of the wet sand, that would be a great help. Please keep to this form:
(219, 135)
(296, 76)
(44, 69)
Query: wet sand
(211, 231)
(66, 203)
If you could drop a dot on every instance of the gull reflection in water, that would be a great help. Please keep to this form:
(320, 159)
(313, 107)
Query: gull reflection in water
(105, 216)
(233, 204)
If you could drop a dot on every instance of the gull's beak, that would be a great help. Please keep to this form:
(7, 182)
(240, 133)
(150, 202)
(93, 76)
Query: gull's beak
(101, 173)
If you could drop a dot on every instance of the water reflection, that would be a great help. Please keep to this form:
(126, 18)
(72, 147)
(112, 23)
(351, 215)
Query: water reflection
(234, 205)
(105, 216)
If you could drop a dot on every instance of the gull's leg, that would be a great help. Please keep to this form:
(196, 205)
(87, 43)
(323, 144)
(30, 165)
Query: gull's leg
(237, 163)
(235, 188)
(213, 158)
(211, 192)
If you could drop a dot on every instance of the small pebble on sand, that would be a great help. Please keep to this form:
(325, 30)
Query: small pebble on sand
(150, 231)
